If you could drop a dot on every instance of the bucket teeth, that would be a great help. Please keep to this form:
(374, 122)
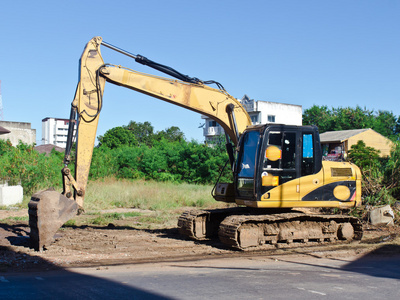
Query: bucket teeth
(48, 211)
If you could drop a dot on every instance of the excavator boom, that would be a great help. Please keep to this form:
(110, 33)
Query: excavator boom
(198, 97)
(187, 92)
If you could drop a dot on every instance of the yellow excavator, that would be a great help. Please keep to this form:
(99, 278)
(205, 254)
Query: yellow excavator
(277, 169)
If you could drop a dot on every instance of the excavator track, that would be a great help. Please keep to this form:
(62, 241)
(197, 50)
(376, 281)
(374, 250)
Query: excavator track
(204, 224)
(287, 230)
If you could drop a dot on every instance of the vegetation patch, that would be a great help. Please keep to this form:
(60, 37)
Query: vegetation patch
(380, 176)
(8, 219)
(111, 193)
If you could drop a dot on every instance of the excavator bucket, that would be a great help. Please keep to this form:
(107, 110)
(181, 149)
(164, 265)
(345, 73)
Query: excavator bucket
(48, 211)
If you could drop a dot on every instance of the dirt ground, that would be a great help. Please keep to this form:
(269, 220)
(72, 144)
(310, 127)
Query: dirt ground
(120, 243)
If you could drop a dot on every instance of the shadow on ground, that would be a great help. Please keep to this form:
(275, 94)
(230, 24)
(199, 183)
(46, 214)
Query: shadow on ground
(381, 262)
(24, 276)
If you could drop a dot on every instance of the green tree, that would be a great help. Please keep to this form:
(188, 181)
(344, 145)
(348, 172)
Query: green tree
(5, 146)
(178, 161)
(143, 132)
(363, 156)
(320, 116)
(23, 165)
(171, 134)
(117, 137)
(392, 171)
(386, 124)
(351, 118)
(372, 168)
(129, 162)
(346, 118)
(104, 162)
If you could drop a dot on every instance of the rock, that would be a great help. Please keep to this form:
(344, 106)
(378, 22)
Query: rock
(382, 215)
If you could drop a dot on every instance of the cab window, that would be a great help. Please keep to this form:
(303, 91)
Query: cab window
(308, 161)
(248, 154)
(247, 164)
(280, 151)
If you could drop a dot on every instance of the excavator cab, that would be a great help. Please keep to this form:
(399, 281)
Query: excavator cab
(271, 155)
(281, 166)
(278, 170)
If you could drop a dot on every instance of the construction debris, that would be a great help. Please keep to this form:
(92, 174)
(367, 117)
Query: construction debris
(382, 215)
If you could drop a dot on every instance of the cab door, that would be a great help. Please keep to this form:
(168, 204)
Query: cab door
(311, 179)
(246, 167)
(281, 165)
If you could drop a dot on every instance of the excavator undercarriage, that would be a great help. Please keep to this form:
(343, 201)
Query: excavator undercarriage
(243, 228)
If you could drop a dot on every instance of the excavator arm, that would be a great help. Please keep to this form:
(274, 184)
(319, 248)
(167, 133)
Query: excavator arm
(214, 103)
(189, 93)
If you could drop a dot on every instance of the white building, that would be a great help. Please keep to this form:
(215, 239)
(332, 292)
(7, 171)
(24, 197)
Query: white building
(55, 131)
(17, 131)
(260, 112)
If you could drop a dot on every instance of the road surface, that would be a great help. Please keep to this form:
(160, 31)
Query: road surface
(252, 277)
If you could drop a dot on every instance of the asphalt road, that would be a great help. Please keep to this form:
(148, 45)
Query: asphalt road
(257, 277)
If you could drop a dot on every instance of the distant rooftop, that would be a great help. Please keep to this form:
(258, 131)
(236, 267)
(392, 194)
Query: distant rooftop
(4, 131)
(47, 148)
(340, 135)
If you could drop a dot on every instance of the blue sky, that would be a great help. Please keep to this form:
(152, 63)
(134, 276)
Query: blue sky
(334, 53)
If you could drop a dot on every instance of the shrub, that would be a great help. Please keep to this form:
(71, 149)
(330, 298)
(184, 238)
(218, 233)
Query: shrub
(23, 165)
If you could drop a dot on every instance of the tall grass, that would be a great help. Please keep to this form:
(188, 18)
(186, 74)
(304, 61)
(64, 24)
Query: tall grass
(111, 193)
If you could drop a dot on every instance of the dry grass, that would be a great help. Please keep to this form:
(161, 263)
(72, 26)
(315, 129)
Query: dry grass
(160, 203)
(150, 195)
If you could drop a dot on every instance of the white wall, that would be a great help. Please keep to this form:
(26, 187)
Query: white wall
(10, 195)
(287, 114)
(19, 131)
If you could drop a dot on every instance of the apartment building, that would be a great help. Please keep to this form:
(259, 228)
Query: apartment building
(260, 112)
(55, 131)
